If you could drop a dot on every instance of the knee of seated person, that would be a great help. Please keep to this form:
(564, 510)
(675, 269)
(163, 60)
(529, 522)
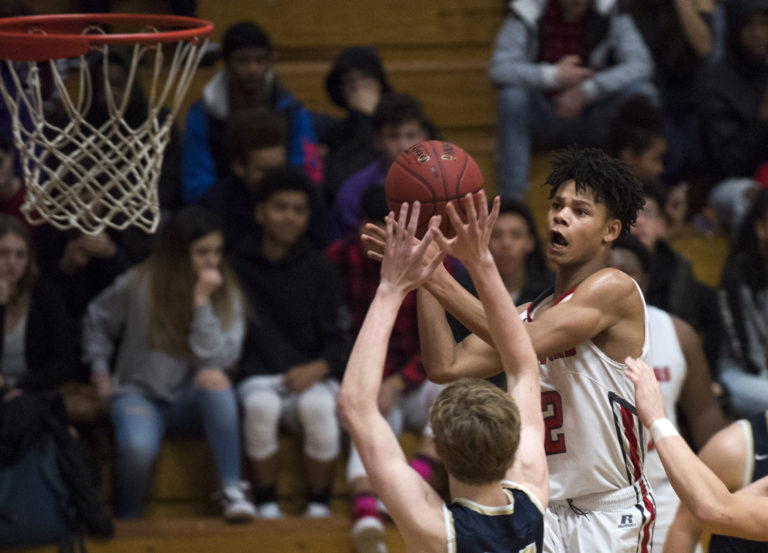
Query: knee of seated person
(261, 404)
(212, 379)
(513, 100)
(260, 433)
(316, 406)
(136, 454)
(322, 442)
(642, 88)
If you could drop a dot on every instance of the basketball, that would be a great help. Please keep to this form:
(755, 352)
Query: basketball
(434, 173)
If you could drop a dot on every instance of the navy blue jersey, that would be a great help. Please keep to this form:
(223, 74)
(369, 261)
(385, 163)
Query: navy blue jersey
(514, 528)
(757, 461)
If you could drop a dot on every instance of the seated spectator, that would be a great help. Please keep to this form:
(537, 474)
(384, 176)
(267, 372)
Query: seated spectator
(256, 144)
(399, 122)
(38, 348)
(742, 364)
(671, 282)
(684, 378)
(517, 252)
(734, 94)
(562, 68)
(405, 395)
(672, 286)
(679, 37)
(173, 326)
(636, 136)
(355, 83)
(245, 83)
(12, 187)
(296, 346)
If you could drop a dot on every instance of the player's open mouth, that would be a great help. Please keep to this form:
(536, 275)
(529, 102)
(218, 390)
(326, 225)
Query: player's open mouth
(557, 240)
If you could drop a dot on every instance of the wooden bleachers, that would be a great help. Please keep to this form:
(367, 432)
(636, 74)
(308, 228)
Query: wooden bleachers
(212, 535)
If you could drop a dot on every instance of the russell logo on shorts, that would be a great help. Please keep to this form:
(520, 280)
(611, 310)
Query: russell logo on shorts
(627, 521)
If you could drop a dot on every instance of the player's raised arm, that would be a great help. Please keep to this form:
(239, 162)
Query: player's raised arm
(700, 490)
(414, 506)
(442, 287)
(508, 332)
(445, 361)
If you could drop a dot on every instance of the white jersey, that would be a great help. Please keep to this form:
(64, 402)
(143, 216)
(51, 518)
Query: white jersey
(593, 437)
(670, 368)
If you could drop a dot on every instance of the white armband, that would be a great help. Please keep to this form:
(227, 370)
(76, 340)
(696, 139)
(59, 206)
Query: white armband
(661, 428)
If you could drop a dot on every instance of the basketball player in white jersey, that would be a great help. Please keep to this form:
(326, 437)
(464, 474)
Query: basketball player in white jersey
(743, 514)
(582, 331)
(681, 369)
(489, 440)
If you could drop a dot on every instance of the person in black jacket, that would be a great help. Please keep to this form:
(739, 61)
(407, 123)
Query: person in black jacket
(355, 83)
(295, 349)
(734, 97)
(38, 346)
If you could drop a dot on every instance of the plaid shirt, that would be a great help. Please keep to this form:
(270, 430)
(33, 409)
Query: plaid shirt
(360, 278)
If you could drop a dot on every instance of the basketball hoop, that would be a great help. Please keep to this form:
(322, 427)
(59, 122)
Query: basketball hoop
(92, 176)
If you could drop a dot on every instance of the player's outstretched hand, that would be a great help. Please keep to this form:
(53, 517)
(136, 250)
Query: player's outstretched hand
(406, 264)
(470, 245)
(373, 238)
(648, 400)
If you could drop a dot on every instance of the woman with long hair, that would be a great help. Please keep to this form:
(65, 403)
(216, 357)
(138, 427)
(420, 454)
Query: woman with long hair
(37, 345)
(744, 306)
(179, 319)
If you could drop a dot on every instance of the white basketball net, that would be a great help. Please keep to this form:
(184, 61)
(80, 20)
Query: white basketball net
(86, 177)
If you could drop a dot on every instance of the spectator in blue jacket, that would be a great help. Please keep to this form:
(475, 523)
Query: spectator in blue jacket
(246, 82)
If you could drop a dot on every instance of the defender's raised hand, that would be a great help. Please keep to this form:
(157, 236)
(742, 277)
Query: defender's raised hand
(408, 262)
(470, 245)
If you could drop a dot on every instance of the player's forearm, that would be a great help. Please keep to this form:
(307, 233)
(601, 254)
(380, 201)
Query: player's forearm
(455, 299)
(362, 377)
(702, 492)
(435, 338)
(506, 328)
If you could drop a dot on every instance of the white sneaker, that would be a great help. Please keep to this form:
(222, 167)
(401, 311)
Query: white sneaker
(317, 510)
(237, 507)
(270, 509)
(368, 535)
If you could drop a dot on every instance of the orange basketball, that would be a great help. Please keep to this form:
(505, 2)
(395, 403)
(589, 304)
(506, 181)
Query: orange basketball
(434, 173)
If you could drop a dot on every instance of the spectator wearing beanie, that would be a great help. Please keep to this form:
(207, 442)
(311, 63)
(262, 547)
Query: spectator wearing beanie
(355, 83)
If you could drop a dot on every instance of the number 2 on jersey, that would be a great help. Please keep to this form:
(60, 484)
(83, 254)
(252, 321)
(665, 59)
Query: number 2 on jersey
(552, 409)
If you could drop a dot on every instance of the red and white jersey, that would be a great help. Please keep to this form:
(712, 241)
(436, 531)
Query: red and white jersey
(669, 366)
(593, 438)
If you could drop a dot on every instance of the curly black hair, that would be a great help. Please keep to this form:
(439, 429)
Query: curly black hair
(611, 181)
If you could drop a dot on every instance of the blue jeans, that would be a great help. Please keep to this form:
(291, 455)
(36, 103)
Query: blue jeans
(527, 117)
(140, 424)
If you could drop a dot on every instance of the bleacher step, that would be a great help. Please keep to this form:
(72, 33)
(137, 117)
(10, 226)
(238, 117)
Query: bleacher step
(213, 535)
